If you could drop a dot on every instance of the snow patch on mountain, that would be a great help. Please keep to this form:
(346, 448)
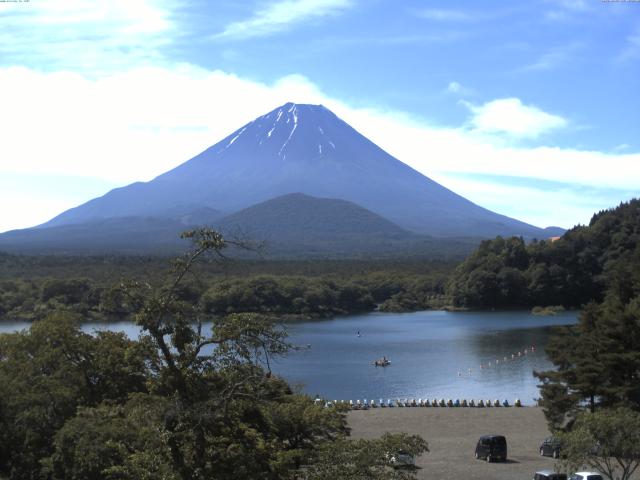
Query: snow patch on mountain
(295, 125)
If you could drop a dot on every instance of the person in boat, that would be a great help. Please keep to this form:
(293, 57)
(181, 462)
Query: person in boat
(382, 362)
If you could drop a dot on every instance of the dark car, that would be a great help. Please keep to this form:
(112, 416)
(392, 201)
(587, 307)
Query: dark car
(550, 447)
(492, 447)
(549, 475)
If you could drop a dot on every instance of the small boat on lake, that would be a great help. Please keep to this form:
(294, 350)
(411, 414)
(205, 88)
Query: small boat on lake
(382, 362)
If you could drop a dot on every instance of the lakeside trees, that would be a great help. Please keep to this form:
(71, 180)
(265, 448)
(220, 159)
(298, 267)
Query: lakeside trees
(302, 289)
(576, 269)
(597, 362)
(179, 403)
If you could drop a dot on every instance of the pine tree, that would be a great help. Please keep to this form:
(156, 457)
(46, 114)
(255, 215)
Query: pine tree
(597, 362)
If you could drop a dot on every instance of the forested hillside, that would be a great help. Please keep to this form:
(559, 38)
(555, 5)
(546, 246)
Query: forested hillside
(571, 271)
(501, 273)
(33, 286)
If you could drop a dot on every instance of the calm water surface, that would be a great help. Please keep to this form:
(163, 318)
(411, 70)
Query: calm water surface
(430, 352)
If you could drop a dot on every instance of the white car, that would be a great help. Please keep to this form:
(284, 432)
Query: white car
(586, 476)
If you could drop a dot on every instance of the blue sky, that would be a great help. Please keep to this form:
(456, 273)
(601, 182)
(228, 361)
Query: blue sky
(527, 108)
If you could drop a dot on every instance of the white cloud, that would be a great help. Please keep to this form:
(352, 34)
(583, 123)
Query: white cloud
(138, 124)
(623, 147)
(454, 87)
(459, 89)
(444, 15)
(632, 49)
(555, 57)
(511, 117)
(282, 15)
(576, 5)
(566, 10)
(76, 34)
(558, 207)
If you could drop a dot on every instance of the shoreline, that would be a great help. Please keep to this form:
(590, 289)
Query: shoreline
(294, 318)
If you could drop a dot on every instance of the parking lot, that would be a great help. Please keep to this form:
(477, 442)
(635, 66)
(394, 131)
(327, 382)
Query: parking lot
(452, 434)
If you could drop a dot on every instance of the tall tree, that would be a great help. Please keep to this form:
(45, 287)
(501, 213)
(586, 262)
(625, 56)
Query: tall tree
(597, 362)
(607, 441)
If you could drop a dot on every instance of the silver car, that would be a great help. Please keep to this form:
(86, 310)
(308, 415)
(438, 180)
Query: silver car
(401, 459)
(586, 476)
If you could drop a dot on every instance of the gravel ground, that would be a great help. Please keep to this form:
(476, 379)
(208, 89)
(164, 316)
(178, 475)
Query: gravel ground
(452, 434)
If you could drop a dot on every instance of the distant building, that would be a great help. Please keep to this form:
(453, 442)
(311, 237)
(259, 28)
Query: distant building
(553, 239)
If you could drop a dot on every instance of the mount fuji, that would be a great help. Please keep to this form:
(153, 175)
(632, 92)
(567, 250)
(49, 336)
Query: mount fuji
(295, 148)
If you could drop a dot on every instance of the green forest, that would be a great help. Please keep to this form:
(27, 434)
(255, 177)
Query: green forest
(32, 287)
(502, 273)
(580, 267)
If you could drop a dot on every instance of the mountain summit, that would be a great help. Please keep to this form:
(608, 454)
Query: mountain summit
(307, 149)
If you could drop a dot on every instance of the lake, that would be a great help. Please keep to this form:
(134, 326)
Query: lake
(432, 353)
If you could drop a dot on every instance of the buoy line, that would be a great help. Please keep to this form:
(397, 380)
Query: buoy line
(505, 359)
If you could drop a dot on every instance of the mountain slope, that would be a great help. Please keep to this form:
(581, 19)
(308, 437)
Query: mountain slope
(298, 216)
(308, 149)
(298, 225)
(291, 226)
(123, 235)
(132, 234)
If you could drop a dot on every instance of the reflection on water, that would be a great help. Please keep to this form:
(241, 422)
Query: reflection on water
(433, 354)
